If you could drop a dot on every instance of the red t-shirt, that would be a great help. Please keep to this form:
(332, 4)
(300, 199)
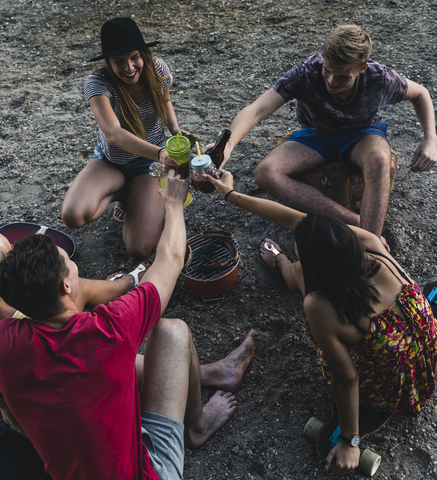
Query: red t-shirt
(75, 391)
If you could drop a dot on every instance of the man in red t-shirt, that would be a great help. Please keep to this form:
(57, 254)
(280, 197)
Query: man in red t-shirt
(69, 378)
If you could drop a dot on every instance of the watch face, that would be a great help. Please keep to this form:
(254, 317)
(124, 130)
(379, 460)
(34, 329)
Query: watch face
(355, 441)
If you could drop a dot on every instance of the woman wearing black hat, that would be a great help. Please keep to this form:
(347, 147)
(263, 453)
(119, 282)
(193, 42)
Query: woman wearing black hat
(130, 100)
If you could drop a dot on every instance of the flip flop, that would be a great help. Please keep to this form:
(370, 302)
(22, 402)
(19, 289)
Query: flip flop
(115, 274)
(267, 243)
(118, 213)
(142, 267)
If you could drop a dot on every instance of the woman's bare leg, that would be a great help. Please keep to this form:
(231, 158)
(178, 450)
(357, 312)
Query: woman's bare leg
(91, 192)
(144, 215)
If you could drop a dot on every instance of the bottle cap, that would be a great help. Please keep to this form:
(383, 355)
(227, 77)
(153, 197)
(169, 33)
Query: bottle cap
(201, 163)
(178, 144)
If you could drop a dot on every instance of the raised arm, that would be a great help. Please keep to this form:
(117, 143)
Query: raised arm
(170, 252)
(250, 116)
(121, 138)
(425, 156)
(275, 212)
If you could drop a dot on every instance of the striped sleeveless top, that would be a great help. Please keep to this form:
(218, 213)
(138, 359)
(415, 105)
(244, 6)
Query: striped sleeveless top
(98, 83)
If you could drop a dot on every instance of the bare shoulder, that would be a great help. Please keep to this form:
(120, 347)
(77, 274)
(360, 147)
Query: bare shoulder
(370, 240)
(319, 310)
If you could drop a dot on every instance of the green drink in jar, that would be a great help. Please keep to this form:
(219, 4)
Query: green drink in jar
(178, 149)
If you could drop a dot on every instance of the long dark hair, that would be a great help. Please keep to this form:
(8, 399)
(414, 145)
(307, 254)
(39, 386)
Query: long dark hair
(155, 91)
(334, 262)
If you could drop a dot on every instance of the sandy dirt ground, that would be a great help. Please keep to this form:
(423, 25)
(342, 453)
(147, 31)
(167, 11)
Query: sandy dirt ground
(223, 54)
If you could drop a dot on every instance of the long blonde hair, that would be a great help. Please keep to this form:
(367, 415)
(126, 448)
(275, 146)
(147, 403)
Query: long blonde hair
(155, 91)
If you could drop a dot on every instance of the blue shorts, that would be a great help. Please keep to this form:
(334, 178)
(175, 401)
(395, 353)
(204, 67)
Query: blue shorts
(335, 146)
(164, 439)
(135, 168)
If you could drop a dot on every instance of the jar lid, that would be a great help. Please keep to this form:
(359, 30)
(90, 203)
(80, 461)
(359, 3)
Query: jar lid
(155, 169)
(201, 163)
(177, 144)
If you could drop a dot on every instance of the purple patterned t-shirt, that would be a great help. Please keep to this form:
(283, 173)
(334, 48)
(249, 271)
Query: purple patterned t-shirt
(317, 109)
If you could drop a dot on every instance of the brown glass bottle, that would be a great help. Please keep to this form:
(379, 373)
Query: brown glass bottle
(217, 151)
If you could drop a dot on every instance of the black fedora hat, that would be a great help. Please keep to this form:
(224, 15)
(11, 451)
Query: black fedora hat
(120, 35)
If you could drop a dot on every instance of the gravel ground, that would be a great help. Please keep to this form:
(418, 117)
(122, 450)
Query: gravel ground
(223, 55)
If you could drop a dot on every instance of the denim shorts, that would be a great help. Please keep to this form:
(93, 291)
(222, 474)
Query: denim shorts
(164, 439)
(135, 168)
(335, 146)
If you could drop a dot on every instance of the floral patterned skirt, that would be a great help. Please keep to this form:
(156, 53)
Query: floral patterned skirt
(396, 359)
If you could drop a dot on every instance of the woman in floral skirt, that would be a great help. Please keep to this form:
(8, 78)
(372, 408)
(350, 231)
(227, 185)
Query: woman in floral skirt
(373, 329)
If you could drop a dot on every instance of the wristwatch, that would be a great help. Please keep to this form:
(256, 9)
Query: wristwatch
(353, 441)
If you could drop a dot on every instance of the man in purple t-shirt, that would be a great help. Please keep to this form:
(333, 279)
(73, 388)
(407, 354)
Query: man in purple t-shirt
(337, 97)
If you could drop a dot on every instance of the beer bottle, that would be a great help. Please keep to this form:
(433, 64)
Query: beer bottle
(217, 151)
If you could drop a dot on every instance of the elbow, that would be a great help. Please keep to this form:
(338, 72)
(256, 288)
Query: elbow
(179, 260)
(112, 139)
(114, 135)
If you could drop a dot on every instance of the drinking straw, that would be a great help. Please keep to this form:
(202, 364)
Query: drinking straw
(177, 140)
(198, 149)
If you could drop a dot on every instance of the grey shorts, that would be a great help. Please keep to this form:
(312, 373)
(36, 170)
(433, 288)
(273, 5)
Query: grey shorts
(164, 440)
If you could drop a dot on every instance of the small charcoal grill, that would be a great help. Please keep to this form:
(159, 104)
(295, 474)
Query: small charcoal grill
(212, 285)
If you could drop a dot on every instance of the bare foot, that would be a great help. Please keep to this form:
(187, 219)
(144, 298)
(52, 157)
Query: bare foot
(227, 373)
(215, 414)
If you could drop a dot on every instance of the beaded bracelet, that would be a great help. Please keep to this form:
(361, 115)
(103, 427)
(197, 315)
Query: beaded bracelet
(226, 196)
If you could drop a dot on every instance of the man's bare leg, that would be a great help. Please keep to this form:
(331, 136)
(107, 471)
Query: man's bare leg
(172, 380)
(372, 155)
(292, 159)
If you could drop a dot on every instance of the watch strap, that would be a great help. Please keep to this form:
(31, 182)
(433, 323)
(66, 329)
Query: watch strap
(348, 440)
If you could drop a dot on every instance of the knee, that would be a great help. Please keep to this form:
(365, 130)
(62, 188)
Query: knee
(72, 218)
(139, 249)
(173, 332)
(377, 165)
(265, 175)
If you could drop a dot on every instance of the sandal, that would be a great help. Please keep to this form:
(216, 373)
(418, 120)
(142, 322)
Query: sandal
(268, 244)
(118, 213)
(120, 272)
(116, 273)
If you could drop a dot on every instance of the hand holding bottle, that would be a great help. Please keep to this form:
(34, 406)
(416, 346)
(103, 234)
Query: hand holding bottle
(158, 171)
(175, 189)
(217, 151)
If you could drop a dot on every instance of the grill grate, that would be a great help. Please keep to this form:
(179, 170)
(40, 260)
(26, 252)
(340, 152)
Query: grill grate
(216, 252)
